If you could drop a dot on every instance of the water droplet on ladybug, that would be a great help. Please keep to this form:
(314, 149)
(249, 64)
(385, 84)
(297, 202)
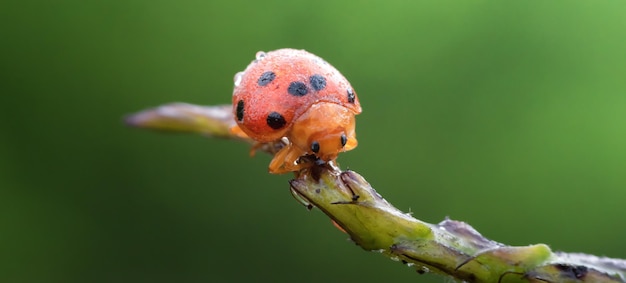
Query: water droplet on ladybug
(260, 55)
(238, 77)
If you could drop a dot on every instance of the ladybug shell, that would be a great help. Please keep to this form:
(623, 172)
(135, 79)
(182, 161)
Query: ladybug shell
(279, 86)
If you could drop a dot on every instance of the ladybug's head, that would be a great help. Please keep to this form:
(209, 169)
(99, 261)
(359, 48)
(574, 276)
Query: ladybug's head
(325, 129)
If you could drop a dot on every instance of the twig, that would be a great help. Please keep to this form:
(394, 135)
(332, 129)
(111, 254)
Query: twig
(450, 248)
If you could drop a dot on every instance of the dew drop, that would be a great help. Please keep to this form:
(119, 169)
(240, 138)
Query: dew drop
(238, 78)
(260, 55)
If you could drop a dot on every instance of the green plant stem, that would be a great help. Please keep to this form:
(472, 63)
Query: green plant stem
(451, 248)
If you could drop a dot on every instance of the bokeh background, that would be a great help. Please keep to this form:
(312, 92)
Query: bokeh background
(510, 116)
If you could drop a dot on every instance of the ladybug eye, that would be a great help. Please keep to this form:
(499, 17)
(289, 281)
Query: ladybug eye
(315, 146)
(344, 140)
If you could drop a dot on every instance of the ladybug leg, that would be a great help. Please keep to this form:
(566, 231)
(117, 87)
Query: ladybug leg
(285, 160)
(352, 142)
(255, 147)
(238, 132)
(277, 163)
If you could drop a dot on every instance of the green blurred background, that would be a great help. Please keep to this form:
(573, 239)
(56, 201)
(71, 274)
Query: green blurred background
(510, 116)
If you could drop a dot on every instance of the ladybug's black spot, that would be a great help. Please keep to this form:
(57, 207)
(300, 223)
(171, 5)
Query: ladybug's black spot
(351, 95)
(317, 82)
(239, 111)
(266, 78)
(275, 120)
(297, 89)
(315, 147)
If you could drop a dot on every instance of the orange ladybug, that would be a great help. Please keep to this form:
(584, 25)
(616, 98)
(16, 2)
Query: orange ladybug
(294, 94)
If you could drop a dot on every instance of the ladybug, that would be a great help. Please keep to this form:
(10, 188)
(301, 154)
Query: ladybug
(296, 95)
